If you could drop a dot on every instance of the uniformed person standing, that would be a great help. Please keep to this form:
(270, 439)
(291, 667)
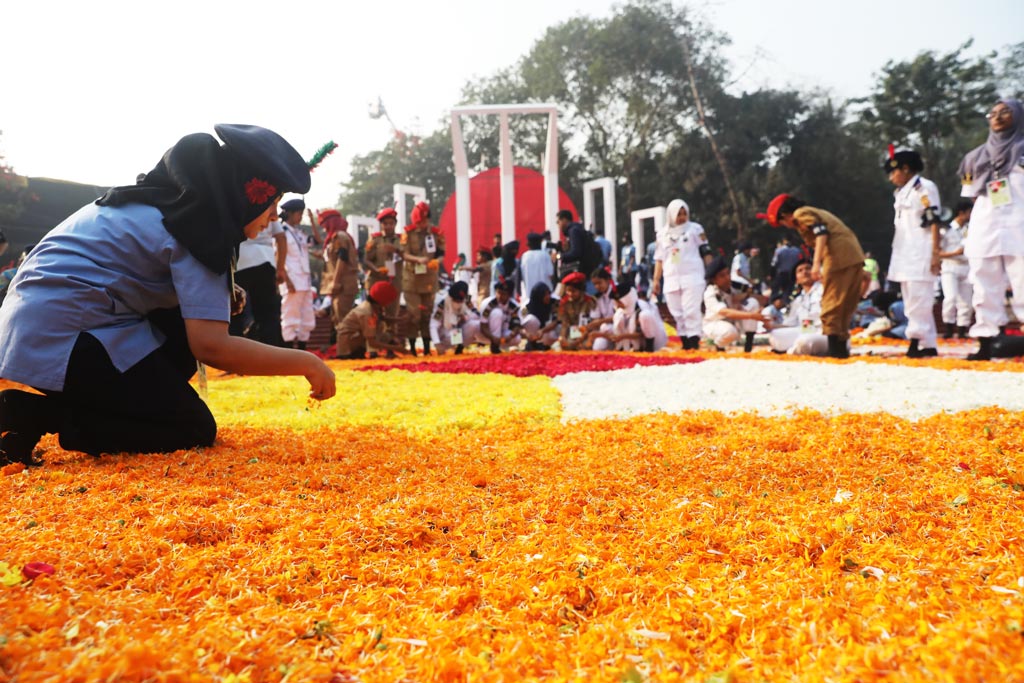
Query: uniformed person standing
(297, 315)
(993, 174)
(422, 247)
(681, 253)
(341, 265)
(838, 263)
(915, 259)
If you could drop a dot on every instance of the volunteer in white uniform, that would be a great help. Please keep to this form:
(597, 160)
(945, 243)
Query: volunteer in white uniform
(637, 325)
(727, 313)
(800, 333)
(297, 318)
(956, 289)
(993, 174)
(915, 248)
(681, 253)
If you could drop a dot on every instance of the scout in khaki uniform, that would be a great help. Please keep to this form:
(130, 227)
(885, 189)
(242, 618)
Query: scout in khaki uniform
(341, 265)
(576, 309)
(382, 258)
(422, 247)
(361, 329)
(838, 263)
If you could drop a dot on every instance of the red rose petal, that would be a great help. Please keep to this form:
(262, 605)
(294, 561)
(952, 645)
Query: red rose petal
(33, 570)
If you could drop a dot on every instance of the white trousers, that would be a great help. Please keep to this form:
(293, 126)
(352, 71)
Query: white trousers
(684, 305)
(497, 322)
(651, 327)
(602, 344)
(725, 332)
(792, 341)
(441, 336)
(918, 306)
(990, 277)
(956, 299)
(297, 319)
(531, 325)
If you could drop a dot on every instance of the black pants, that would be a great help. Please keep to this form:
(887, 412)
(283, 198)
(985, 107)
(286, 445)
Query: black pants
(260, 285)
(151, 408)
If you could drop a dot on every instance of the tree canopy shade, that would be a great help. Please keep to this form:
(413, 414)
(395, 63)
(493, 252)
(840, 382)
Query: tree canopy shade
(628, 88)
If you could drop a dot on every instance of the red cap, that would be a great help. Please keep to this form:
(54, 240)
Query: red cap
(576, 279)
(327, 213)
(419, 212)
(772, 214)
(384, 293)
(387, 213)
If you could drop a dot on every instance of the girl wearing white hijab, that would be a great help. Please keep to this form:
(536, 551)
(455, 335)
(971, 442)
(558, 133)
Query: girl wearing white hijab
(680, 254)
(993, 174)
(636, 325)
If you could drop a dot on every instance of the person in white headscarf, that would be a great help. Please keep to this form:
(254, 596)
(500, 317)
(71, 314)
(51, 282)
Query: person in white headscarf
(636, 325)
(680, 255)
(993, 174)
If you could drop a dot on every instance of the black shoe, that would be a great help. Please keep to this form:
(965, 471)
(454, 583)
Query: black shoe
(412, 346)
(390, 354)
(495, 348)
(24, 418)
(927, 353)
(691, 343)
(748, 343)
(984, 351)
(648, 345)
(426, 346)
(459, 349)
(961, 332)
(837, 347)
(948, 334)
(912, 350)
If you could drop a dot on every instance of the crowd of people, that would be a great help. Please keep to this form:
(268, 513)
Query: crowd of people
(107, 316)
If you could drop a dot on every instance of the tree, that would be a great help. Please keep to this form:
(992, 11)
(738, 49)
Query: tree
(14, 193)
(933, 103)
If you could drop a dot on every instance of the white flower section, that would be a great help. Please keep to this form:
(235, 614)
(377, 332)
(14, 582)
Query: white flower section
(779, 387)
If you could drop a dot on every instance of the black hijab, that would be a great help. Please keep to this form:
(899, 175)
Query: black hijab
(509, 253)
(536, 306)
(208, 193)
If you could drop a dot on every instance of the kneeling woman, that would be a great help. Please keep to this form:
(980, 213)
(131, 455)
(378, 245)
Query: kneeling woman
(109, 314)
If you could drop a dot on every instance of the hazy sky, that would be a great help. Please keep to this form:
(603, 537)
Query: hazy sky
(97, 91)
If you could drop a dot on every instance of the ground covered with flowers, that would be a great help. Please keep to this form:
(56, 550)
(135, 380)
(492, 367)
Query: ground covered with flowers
(461, 527)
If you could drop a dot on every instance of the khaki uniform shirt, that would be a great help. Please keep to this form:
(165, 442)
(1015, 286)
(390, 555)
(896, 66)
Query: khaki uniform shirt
(415, 242)
(341, 265)
(842, 249)
(383, 267)
(570, 312)
(359, 329)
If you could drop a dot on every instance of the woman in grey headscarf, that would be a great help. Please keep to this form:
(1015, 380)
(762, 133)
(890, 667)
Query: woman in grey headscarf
(993, 174)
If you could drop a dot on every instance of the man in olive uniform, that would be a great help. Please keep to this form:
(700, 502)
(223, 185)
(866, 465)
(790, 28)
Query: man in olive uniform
(362, 329)
(422, 247)
(576, 310)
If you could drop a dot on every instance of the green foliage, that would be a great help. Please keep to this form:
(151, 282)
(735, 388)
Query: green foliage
(14, 193)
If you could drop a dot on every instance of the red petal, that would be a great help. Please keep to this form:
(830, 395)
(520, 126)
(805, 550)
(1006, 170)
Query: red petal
(32, 570)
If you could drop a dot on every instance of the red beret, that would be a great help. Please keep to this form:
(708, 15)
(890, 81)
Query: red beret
(576, 279)
(327, 213)
(419, 212)
(384, 293)
(387, 213)
(772, 214)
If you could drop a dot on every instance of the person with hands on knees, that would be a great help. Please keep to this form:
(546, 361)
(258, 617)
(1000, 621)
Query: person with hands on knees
(111, 311)
(728, 311)
(838, 264)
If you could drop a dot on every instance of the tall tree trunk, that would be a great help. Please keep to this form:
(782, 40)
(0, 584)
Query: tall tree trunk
(737, 214)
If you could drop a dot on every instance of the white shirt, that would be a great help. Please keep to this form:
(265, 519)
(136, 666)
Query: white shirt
(535, 266)
(605, 305)
(260, 249)
(806, 306)
(296, 263)
(912, 245)
(952, 239)
(997, 230)
(715, 301)
(740, 271)
(678, 249)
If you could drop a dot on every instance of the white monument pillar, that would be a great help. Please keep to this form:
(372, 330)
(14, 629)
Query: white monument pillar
(463, 209)
(637, 219)
(607, 187)
(419, 194)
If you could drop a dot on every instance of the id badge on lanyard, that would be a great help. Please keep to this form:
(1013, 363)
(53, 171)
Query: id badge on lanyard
(429, 244)
(999, 192)
(456, 336)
